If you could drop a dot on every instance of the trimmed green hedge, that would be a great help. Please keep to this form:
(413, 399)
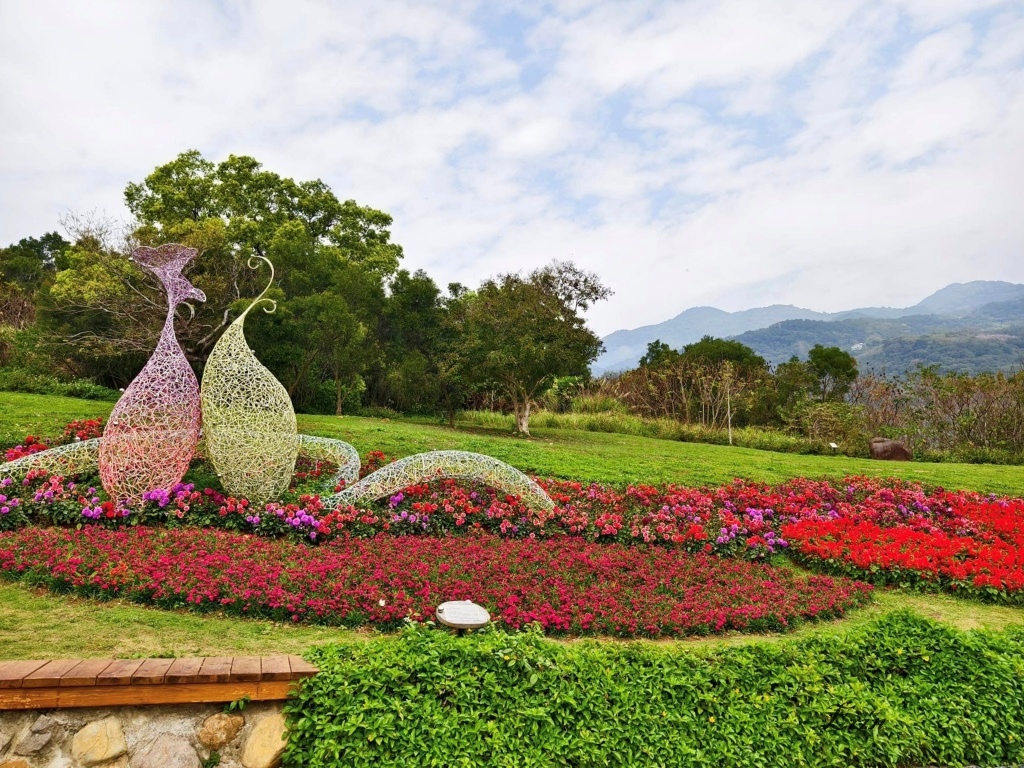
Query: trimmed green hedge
(900, 691)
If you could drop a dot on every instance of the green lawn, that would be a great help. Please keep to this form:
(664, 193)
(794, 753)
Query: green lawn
(569, 454)
(38, 625)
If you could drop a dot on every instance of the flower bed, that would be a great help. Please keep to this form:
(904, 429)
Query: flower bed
(568, 585)
(976, 547)
(887, 531)
(741, 518)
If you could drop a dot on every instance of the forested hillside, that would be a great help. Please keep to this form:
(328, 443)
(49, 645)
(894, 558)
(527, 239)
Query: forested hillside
(954, 326)
(988, 338)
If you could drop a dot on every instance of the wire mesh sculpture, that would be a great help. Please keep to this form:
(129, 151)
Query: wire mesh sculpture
(248, 419)
(153, 431)
(438, 465)
(64, 460)
(336, 452)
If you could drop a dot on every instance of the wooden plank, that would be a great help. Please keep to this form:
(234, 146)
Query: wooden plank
(13, 672)
(140, 695)
(152, 672)
(49, 675)
(301, 668)
(276, 668)
(84, 672)
(215, 669)
(245, 669)
(119, 673)
(29, 698)
(183, 671)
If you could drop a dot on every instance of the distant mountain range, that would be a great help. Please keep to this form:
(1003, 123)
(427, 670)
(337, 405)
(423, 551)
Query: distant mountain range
(971, 327)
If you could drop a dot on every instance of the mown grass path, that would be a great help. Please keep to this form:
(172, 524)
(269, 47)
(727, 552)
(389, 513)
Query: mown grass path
(38, 625)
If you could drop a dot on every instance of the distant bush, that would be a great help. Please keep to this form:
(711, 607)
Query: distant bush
(20, 380)
(490, 419)
(972, 455)
(898, 691)
(663, 429)
(597, 404)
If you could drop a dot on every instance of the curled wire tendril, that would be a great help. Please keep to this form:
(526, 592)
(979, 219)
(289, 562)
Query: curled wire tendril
(254, 263)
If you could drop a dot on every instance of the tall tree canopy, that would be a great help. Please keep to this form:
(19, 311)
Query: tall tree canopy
(25, 267)
(333, 259)
(834, 370)
(522, 333)
(711, 350)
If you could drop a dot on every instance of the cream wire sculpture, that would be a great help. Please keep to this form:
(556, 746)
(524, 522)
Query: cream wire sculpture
(437, 465)
(248, 419)
(63, 460)
(334, 452)
(153, 431)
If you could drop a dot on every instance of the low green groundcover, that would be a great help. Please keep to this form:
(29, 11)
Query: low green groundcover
(901, 691)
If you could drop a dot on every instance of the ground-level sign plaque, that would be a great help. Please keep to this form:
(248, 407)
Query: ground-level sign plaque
(462, 614)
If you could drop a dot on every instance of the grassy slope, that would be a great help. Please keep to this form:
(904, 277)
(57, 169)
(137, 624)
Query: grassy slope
(35, 625)
(588, 456)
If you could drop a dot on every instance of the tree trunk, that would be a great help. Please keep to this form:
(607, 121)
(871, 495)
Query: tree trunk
(728, 408)
(338, 399)
(522, 412)
(301, 375)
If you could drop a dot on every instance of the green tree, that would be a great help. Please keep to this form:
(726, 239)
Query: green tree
(336, 339)
(25, 267)
(319, 345)
(659, 354)
(405, 375)
(31, 261)
(521, 333)
(102, 305)
(710, 350)
(456, 381)
(235, 210)
(834, 370)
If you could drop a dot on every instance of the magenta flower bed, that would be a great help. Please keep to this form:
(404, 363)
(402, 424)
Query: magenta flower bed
(568, 585)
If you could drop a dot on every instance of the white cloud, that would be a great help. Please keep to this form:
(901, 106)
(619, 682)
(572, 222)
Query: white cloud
(829, 154)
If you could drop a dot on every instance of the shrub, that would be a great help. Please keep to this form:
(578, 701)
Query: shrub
(898, 691)
(597, 404)
(20, 380)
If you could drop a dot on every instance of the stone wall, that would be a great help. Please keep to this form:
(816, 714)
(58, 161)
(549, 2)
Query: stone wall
(159, 736)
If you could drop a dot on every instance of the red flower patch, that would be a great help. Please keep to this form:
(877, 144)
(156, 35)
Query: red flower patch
(570, 586)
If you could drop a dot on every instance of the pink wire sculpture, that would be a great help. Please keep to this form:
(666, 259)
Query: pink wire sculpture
(153, 431)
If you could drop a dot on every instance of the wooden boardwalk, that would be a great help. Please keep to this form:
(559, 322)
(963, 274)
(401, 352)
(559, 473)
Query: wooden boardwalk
(123, 682)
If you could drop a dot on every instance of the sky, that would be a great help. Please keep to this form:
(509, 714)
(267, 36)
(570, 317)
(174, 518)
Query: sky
(732, 153)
